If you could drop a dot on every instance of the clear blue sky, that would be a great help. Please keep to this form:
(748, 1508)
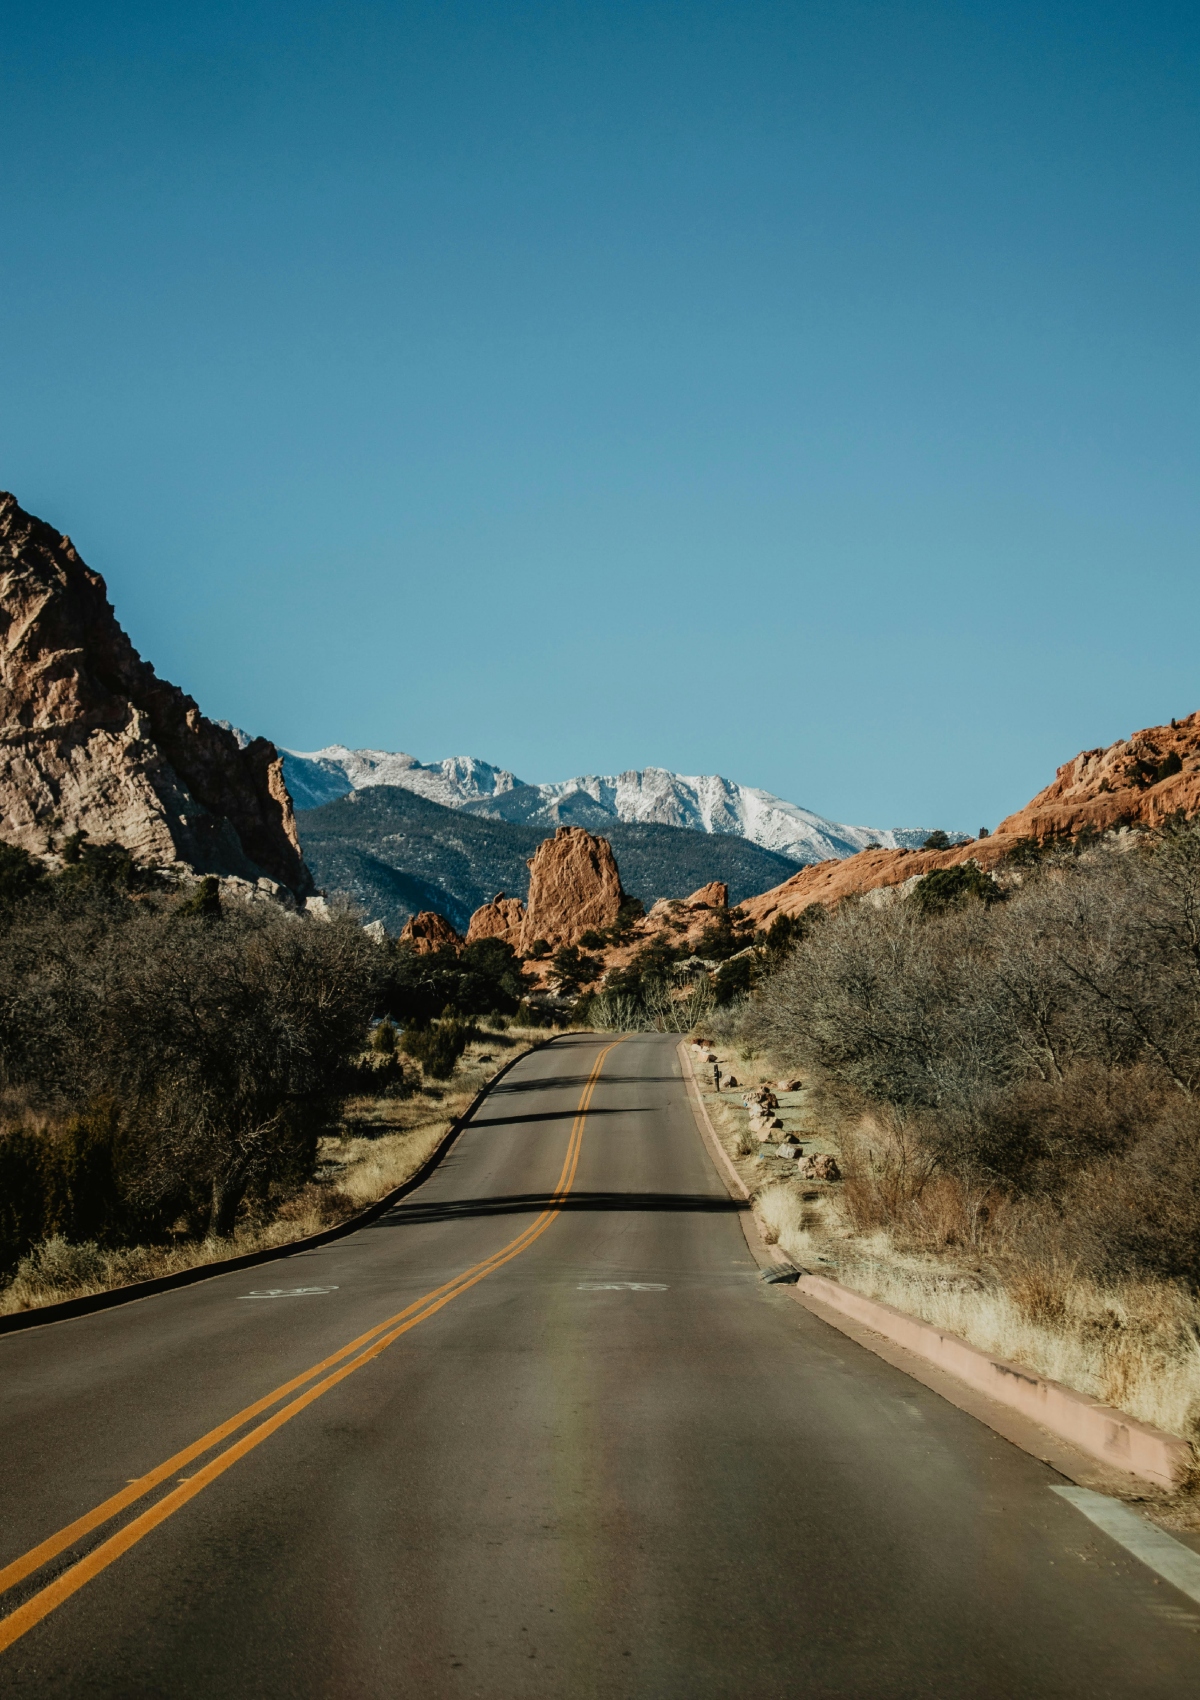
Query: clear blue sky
(803, 392)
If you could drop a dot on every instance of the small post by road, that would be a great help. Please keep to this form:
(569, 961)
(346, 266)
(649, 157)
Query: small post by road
(716, 1077)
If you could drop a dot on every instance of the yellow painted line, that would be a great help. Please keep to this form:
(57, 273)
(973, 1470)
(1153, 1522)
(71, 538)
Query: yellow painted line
(376, 1340)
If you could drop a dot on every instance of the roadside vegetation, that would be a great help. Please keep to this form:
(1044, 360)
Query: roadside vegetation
(1009, 1071)
(185, 1076)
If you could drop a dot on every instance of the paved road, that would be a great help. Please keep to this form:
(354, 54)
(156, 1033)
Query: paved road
(611, 1465)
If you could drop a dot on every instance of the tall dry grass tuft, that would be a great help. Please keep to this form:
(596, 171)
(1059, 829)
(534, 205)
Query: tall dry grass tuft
(788, 1220)
(891, 1181)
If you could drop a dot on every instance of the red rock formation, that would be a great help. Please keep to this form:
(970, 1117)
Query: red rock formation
(91, 739)
(502, 918)
(428, 932)
(573, 886)
(714, 895)
(1141, 781)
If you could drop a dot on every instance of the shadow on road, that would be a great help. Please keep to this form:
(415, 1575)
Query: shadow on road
(451, 1210)
(553, 1116)
(560, 1082)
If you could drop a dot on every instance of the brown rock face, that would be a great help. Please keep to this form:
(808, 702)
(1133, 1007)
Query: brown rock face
(428, 932)
(1142, 781)
(714, 895)
(502, 918)
(92, 740)
(573, 886)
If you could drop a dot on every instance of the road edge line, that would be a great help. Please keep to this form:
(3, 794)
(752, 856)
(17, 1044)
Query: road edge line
(1150, 1545)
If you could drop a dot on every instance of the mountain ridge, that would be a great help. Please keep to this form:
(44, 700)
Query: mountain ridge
(658, 796)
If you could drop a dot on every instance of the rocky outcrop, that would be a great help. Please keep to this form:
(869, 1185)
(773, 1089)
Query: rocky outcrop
(502, 918)
(428, 932)
(574, 887)
(714, 895)
(92, 740)
(1142, 781)
(870, 870)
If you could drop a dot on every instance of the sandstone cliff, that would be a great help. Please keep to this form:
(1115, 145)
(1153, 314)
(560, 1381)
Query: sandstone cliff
(428, 932)
(573, 886)
(91, 739)
(502, 918)
(1140, 781)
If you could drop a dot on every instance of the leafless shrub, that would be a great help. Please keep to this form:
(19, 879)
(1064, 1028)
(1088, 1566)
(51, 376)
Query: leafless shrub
(181, 1061)
(1046, 1046)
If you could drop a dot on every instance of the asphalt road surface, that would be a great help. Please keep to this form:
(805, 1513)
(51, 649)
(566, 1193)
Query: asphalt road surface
(589, 1454)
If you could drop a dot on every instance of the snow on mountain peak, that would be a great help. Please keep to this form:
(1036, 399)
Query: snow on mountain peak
(704, 802)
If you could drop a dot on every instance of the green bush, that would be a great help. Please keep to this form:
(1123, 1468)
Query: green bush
(734, 979)
(571, 970)
(438, 1047)
(204, 901)
(787, 931)
(486, 976)
(949, 887)
(23, 1195)
(533, 1015)
(21, 875)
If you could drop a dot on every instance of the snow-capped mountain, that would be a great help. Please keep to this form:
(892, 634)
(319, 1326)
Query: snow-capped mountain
(703, 802)
(321, 776)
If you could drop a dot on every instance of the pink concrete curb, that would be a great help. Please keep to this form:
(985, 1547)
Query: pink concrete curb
(1100, 1430)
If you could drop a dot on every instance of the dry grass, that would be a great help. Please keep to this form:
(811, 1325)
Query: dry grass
(940, 1249)
(383, 1142)
(1136, 1347)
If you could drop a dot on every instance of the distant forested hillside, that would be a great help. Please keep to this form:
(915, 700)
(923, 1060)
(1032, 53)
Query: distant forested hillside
(395, 853)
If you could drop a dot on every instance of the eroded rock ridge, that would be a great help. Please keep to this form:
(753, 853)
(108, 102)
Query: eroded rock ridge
(1143, 781)
(92, 740)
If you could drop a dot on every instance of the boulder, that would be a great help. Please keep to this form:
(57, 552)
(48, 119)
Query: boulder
(574, 886)
(822, 1168)
(789, 1085)
(502, 918)
(714, 895)
(428, 932)
(91, 740)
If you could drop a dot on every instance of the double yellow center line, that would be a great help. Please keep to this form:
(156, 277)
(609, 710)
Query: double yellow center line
(364, 1350)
